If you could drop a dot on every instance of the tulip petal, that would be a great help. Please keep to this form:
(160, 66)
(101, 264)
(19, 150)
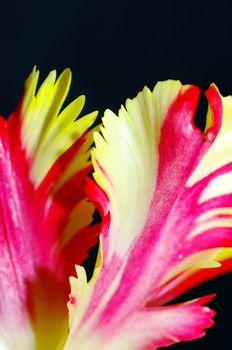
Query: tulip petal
(163, 220)
(168, 152)
(44, 159)
(154, 328)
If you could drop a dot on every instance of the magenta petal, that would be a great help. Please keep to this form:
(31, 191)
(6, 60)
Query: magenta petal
(163, 218)
(41, 190)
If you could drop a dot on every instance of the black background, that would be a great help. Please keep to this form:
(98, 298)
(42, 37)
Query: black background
(114, 48)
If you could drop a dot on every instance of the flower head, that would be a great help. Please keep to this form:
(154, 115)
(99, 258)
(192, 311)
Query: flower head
(163, 189)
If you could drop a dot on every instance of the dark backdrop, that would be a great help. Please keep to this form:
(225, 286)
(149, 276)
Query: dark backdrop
(114, 48)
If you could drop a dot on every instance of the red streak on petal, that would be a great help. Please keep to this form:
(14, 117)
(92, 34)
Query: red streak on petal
(72, 300)
(215, 102)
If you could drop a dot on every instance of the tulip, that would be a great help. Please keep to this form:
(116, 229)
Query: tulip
(163, 191)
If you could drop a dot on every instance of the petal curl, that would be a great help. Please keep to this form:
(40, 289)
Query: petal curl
(162, 220)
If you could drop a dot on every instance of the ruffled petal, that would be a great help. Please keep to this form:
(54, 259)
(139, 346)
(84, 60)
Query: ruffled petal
(154, 328)
(163, 218)
(44, 159)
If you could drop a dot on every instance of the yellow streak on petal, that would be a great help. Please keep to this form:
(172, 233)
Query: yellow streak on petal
(81, 292)
(218, 186)
(47, 133)
(210, 214)
(208, 225)
(212, 219)
(126, 158)
(201, 260)
(226, 253)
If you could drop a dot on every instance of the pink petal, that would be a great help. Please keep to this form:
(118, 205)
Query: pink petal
(154, 328)
(163, 219)
(42, 186)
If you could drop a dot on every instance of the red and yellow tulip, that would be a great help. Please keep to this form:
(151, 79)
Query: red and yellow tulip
(163, 189)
